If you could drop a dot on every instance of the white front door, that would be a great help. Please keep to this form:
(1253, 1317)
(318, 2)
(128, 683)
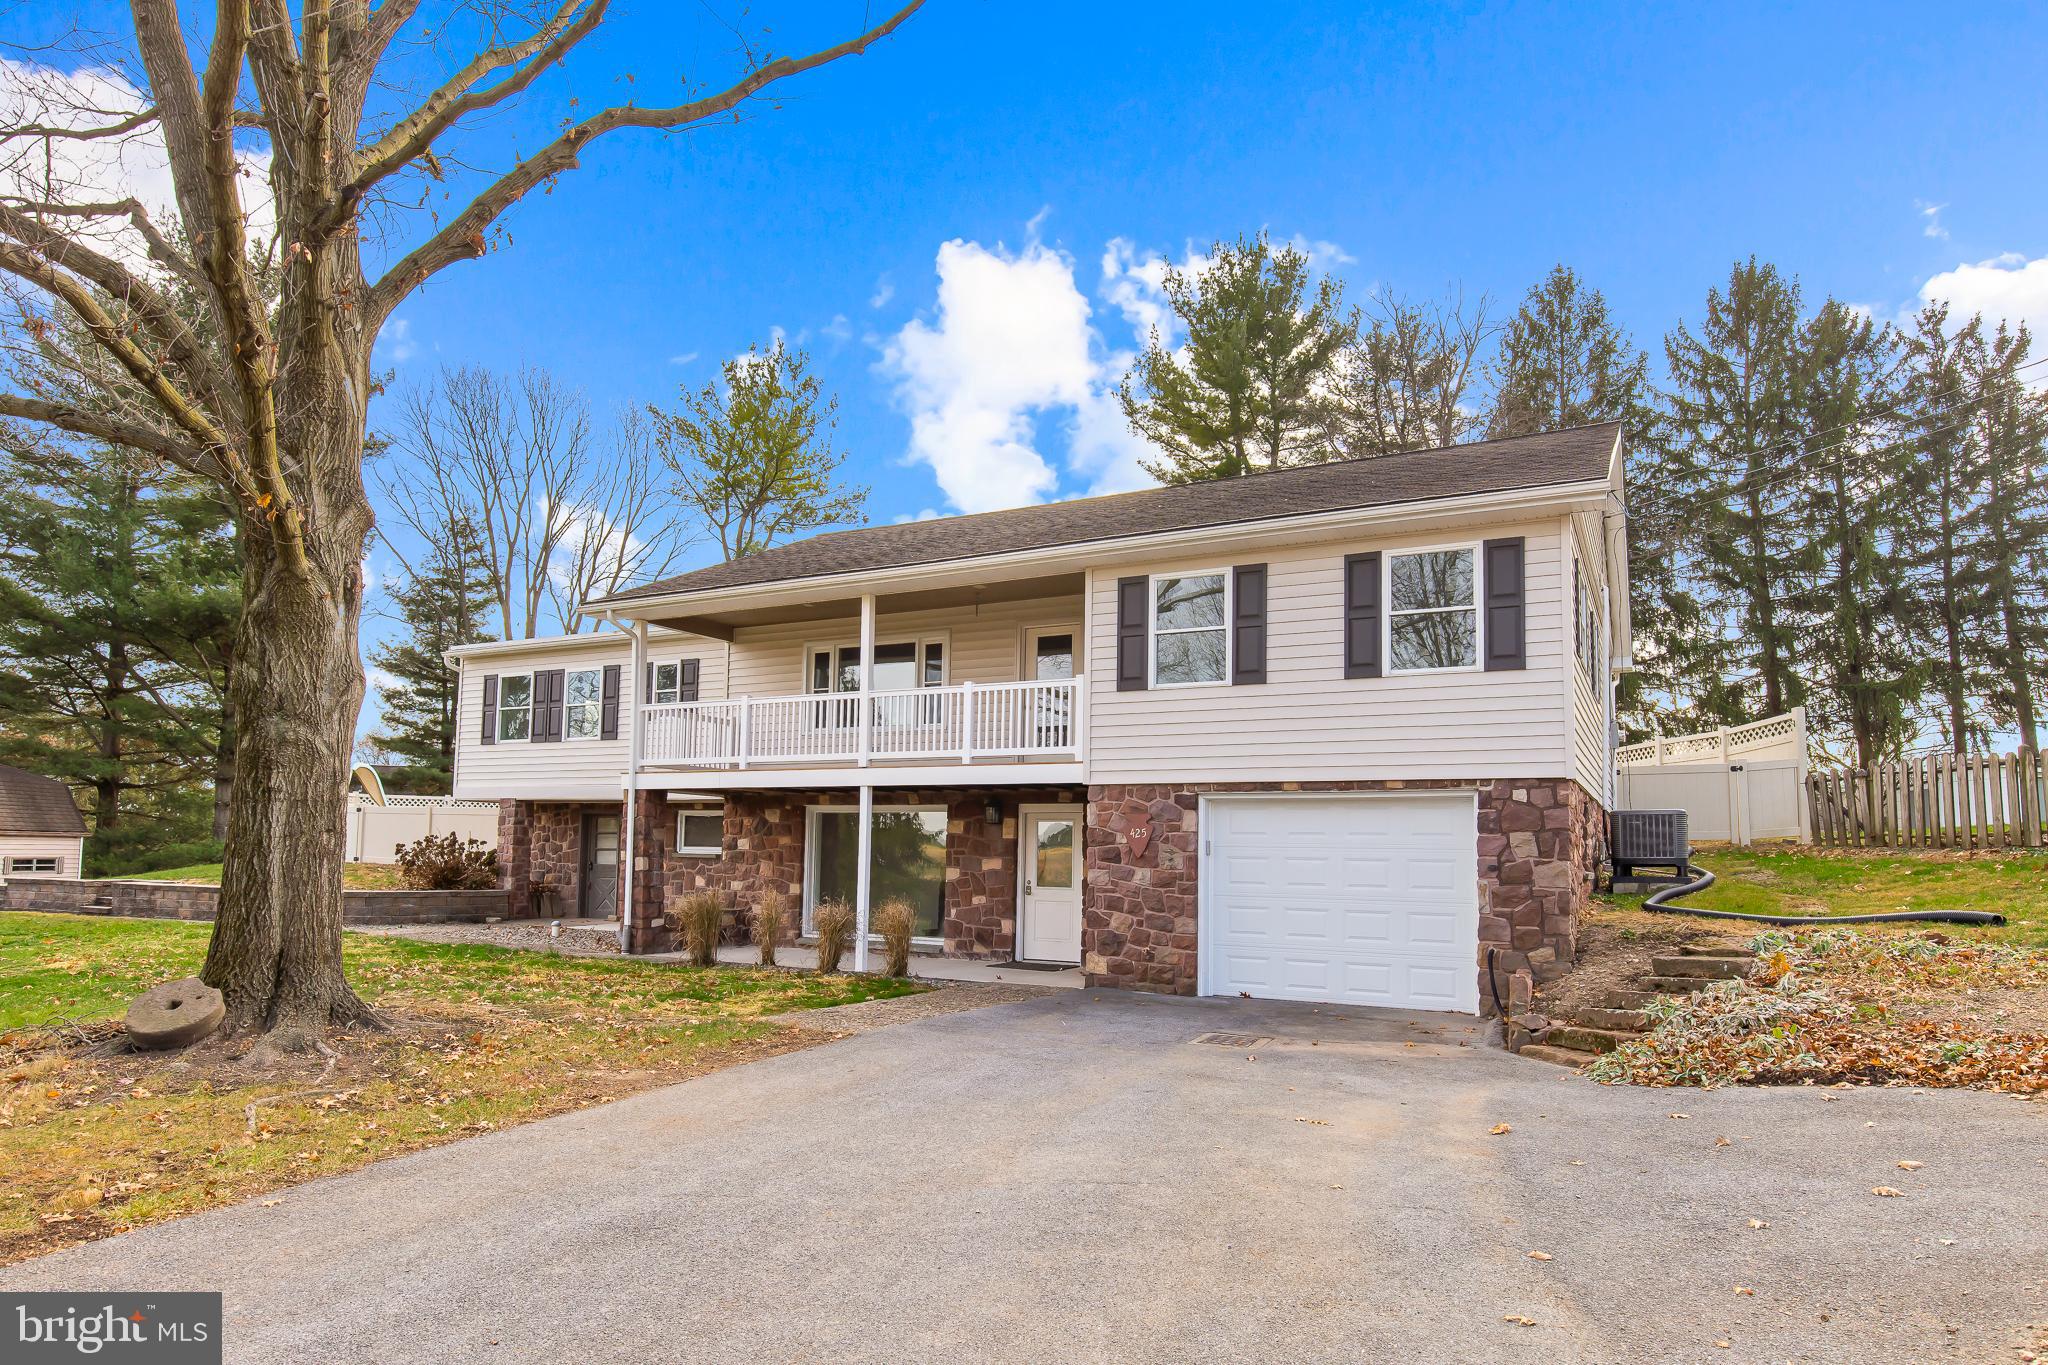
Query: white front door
(1049, 848)
(1362, 900)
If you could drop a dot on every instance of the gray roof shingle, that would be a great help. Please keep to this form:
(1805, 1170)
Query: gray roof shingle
(1578, 455)
(33, 804)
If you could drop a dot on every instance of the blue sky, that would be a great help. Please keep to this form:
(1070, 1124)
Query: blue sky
(965, 226)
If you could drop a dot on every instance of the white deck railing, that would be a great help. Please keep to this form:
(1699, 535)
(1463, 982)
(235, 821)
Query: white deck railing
(963, 723)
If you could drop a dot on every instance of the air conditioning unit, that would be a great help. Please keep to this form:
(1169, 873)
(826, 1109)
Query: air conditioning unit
(1653, 838)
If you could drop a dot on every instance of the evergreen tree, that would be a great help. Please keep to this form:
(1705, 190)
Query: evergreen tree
(1247, 388)
(1732, 447)
(1944, 473)
(2005, 531)
(1564, 362)
(116, 604)
(1850, 607)
(443, 603)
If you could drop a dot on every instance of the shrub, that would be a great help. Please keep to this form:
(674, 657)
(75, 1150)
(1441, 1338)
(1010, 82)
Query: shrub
(834, 922)
(895, 922)
(771, 913)
(701, 920)
(446, 862)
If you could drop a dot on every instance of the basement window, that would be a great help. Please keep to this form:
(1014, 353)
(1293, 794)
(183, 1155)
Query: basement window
(700, 831)
(35, 867)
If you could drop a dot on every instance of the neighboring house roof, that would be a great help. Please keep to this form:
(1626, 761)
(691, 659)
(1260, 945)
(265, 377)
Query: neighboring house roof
(33, 804)
(1580, 455)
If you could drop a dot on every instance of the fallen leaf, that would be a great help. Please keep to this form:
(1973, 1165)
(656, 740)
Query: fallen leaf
(272, 1203)
(1539, 1255)
(1756, 1223)
(1722, 1344)
(1722, 1142)
(1500, 1128)
(1911, 1165)
(1678, 1116)
(1515, 1318)
(1741, 1290)
(1887, 1192)
(1948, 1241)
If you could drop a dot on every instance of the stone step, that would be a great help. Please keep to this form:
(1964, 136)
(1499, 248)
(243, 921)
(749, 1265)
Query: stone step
(1715, 950)
(1556, 1056)
(1676, 985)
(1622, 1021)
(1706, 968)
(1626, 1000)
(1581, 1039)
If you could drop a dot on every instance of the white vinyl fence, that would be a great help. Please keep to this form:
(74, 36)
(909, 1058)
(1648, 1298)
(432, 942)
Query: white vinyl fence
(1737, 784)
(375, 833)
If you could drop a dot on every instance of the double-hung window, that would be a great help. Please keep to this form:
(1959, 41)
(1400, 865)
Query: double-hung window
(1190, 642)
(515, 706)
(584, 694)
(1432, 611)
(668, 684)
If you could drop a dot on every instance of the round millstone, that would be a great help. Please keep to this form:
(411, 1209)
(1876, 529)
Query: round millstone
(175, 1014)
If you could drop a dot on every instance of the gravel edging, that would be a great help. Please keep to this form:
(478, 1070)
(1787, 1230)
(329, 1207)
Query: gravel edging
(530, 934)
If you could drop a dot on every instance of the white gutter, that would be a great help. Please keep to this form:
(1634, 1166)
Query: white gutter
(1081, 554)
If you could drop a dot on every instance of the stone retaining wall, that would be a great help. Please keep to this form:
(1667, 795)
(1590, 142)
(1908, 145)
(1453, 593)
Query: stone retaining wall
(191, 901)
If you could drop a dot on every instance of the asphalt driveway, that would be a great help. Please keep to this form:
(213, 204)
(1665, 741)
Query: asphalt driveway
(1073, 1178)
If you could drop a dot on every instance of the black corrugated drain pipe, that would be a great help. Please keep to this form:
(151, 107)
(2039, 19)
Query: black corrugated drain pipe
(1661, 902)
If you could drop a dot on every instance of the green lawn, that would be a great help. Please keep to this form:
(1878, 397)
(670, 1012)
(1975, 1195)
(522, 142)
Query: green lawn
(354, 876)
(484, 1038)
(1875, 881)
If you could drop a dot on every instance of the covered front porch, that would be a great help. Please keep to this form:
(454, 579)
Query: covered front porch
(992, 874)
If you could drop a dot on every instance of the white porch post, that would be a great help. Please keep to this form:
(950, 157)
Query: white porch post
(864, 854)
(867, 684)
(636, 715)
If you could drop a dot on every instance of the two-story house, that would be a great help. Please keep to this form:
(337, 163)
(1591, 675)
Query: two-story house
(1341, 732)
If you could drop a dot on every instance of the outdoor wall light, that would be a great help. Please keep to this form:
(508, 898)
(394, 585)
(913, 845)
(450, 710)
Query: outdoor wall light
(992, 811)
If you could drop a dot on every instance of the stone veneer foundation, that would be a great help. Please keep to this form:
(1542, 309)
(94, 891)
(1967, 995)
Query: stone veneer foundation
(764, 851)
(1540, 841)
(540, 843)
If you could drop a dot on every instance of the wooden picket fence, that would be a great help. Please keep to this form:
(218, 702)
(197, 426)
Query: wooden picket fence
(1930, 801)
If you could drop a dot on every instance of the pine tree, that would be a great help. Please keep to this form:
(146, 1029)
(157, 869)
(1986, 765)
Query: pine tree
(1564, 362)
(1246, 388)
(2005, 531)
(443, 603)
(1732, 442)
(1944, 473)
(1850, 606)
(116, 602)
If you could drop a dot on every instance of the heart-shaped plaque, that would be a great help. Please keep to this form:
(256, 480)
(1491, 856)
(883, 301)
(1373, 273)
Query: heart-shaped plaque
(1139, 837)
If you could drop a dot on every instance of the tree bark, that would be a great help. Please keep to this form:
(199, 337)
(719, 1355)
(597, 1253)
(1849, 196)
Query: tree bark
(224, 753)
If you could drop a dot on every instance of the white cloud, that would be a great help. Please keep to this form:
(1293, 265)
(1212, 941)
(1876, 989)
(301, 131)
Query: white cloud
(1321, 254)
(1010, 342)
(683, 358)
(1930, 216)
(2007, 288)
(107, 169)
(885, 289)
(395, 343)
(839, 330)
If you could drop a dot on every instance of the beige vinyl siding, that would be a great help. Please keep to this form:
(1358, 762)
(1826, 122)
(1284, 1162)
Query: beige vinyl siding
(1589, 705)
(68, 850)
(573, 769)
(983, 645)
(1309, 722)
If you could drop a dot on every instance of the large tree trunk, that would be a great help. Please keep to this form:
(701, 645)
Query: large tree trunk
(295, 686)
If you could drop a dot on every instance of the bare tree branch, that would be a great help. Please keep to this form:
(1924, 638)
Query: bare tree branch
(463, 237)
(85, 422)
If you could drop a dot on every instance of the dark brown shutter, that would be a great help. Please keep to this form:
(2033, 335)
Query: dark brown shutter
(547, 706)
(1248, 623)
(1132, 606)
(1506, 609)
(608, 712)
(647, 692)
(689, 674)
(1362, 615)
(490, 708)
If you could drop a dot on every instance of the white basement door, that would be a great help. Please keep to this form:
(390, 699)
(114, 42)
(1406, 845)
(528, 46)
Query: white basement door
(1363, 900)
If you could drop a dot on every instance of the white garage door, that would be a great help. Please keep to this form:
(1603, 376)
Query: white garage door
(1367, 900)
